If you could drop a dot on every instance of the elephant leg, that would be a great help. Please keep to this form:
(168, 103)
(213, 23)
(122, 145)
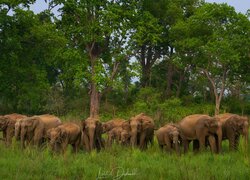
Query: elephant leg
(142, 141)
(185, 145)
(202, 141)
(168, 145)
(109, 141)
(9, 135)
(161, 146)
(195, 146)
(64, 146)
(75, 148)
(4, 135)
(236, 145)
(232, 142)
(37, 140)
(212, 143)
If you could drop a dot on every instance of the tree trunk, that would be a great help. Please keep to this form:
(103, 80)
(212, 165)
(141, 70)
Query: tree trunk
(181, 79)
(94, 101)
(94, 52)
(218, 96)
(146, 72)
(170, 74)
(217, 105)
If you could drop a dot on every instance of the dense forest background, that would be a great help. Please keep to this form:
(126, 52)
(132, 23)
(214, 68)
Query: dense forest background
(167, 58)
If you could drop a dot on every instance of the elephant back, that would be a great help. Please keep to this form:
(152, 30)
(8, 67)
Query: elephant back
(50, 121)
(15, 116)
(109, 125)
(224, 117)
(70, 127)
(143, 118)
(192, 120)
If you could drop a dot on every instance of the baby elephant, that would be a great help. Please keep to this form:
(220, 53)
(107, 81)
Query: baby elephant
(169, 136)
(119, 135)
(114, 134)
(61, 136)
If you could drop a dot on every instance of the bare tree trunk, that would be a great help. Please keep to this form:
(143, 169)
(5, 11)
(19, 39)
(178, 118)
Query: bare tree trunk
(218, 96)
(217, 106)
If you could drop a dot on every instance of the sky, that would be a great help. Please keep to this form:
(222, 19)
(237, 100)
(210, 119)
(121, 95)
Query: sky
(239, 5)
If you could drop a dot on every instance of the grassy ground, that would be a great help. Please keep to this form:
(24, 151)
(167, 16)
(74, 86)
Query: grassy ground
(122, 163)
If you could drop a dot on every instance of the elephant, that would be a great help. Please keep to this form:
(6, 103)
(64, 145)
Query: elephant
(92, 134)
(36, 127)
(233, 126)
(170, 137)
(7, 125)
(109, 125)
(141, 130)
(125, 137)
(201, 127)
(114, 134)
(63, 135)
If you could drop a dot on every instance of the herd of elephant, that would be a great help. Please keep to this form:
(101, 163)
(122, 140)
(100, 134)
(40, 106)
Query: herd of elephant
(203, 130)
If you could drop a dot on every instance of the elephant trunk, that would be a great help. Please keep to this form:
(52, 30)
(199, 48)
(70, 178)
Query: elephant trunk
(91, 138)
(176, 145)
(133, 139)
(85, 140)
(23, 134)
(17, 132)
(219, 134)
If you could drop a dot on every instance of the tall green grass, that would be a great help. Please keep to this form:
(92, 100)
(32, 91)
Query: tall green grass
(122, 163)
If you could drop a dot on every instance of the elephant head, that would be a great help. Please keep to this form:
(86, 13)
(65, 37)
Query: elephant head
(31, 127)
(125, 136)
(106, 127)
(135, 130)
(214, 127)
(176, 137)
(57, 137)
(3, 123)
(240, 125)
(92, 129)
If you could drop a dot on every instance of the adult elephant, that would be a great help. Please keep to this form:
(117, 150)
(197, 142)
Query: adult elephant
(36, 127)
(109, 125)
(142, 130)
(170, 137)
(64, 135)
(199, 127)
(233, 126)
(7, 125)
(92, 132)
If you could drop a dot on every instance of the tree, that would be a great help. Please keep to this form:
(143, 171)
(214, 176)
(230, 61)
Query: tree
(214, 37)
(28, 46)
(98, 30)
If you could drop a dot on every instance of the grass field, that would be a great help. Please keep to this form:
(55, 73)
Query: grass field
(122, 163)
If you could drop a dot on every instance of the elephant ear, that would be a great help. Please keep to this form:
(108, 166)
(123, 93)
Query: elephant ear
(207, 123)
(140, 126)
(3, 122)
(33, 122)
(99, 128)
(63, 134)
